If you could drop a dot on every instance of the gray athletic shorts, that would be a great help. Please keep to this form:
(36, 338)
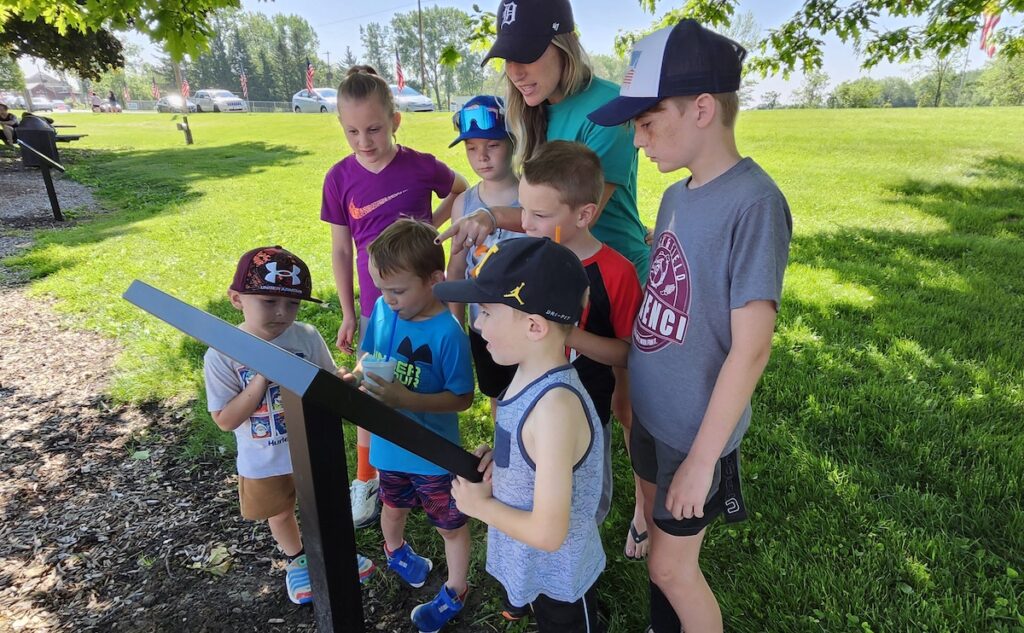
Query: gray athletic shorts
(656, 462)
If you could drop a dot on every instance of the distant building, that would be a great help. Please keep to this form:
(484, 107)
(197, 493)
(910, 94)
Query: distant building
(50, 87)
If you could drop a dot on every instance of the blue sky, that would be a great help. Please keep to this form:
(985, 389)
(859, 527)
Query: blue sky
(337, 24)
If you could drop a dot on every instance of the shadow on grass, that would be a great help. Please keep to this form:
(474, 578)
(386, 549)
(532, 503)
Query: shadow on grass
(989, 204)
(142, 183)
(885, 462)
(888, 460)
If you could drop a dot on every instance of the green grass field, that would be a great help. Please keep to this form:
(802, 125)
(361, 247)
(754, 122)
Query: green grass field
(885, 465)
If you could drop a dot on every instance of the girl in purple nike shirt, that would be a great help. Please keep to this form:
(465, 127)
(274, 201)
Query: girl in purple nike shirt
(379, 182)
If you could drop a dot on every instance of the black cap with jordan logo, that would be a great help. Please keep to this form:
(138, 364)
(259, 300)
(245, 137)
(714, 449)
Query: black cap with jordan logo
(676, 61)
(530, 274)
(526, 27)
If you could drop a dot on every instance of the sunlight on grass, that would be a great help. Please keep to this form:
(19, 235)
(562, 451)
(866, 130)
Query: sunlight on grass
(824, 288)
(884, 468)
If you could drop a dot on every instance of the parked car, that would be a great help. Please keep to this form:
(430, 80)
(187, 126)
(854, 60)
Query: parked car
(219, 101)
(41, 104)
(13, 101)
(174, 103)
(409, 100)
(322, 100)
(60, 106)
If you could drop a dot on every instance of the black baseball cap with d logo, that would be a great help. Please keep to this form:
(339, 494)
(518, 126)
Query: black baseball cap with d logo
(530, 274)
(676, 61)
(526, 27)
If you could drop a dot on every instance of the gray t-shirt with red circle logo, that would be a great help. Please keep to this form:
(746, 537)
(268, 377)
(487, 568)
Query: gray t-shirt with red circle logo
(716, 248)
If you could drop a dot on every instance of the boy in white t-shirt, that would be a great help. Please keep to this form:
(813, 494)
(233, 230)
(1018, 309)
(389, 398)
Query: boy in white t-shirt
(268, 287)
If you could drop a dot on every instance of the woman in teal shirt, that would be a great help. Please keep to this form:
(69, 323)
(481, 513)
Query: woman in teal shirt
(550, 89)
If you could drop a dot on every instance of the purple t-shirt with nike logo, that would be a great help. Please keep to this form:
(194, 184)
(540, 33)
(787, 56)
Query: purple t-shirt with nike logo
(367, 203)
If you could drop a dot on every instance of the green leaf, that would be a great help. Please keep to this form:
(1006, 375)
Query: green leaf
(140, 455)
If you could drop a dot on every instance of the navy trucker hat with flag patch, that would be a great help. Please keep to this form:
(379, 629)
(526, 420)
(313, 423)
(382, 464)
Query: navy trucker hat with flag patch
(271, 270)
(526, 27)
(530, 274)
(676, 61)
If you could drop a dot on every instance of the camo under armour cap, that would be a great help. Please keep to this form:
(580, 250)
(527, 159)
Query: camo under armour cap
(526, 27)
(271, 270)
(676, 61)
(530, 274)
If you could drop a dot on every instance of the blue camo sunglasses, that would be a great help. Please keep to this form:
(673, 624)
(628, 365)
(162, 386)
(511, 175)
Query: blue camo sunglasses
(481, 116)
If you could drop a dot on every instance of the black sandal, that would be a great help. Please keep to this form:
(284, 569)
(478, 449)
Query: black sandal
(638, 538)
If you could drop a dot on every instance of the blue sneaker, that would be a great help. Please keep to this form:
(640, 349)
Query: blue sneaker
(366, 567)
(296, 580)
(412, 567)
(429, 617)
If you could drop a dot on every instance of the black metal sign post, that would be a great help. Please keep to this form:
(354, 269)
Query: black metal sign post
(327, 531)
(315, 401)
(44, 166)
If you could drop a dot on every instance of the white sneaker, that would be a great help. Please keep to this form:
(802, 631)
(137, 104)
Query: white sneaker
(365, 502)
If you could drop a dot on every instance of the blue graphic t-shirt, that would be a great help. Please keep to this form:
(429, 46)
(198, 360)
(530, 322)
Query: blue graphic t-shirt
(433, 356)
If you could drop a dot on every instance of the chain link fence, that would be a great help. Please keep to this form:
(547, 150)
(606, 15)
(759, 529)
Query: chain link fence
(139, 105)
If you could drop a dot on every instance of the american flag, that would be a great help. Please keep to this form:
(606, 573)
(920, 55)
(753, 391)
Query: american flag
(398, 71)
(154, 89)
(991, 19)
(184, 88)
(309, 75)
(245, 85)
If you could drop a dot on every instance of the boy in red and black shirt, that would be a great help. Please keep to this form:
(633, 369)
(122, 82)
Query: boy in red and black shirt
(560, 192)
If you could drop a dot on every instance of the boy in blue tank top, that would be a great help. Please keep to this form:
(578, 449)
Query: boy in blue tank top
(543, 544)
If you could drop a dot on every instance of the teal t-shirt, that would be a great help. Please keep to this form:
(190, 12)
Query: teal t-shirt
(619, 225)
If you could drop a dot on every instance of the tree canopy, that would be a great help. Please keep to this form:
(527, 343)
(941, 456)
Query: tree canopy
(943, 27)
(77, 35)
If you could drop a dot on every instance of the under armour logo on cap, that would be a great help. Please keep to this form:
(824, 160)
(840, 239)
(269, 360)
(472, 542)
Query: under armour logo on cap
(275, 276)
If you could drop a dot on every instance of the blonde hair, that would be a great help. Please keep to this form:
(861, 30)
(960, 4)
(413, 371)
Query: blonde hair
(363, 82)
(571, 169)
(528, 125)
(407, 246)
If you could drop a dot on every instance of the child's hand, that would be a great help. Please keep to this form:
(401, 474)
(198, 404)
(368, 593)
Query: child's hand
(689, 489)
(486, 465)
(471, 498)
(393, 394)
(346, 335)
(353, 378)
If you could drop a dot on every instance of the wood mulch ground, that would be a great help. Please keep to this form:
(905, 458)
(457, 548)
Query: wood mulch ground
(104, 524)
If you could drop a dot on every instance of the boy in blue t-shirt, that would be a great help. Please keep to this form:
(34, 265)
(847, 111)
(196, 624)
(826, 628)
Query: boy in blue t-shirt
(429, 377)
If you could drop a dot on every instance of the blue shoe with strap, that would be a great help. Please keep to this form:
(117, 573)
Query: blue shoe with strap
(429, 617)
(296, 580)
(412, 567)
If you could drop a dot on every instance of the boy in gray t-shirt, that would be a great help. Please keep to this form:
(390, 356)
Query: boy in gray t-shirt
(704, 332)
(268, 286)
